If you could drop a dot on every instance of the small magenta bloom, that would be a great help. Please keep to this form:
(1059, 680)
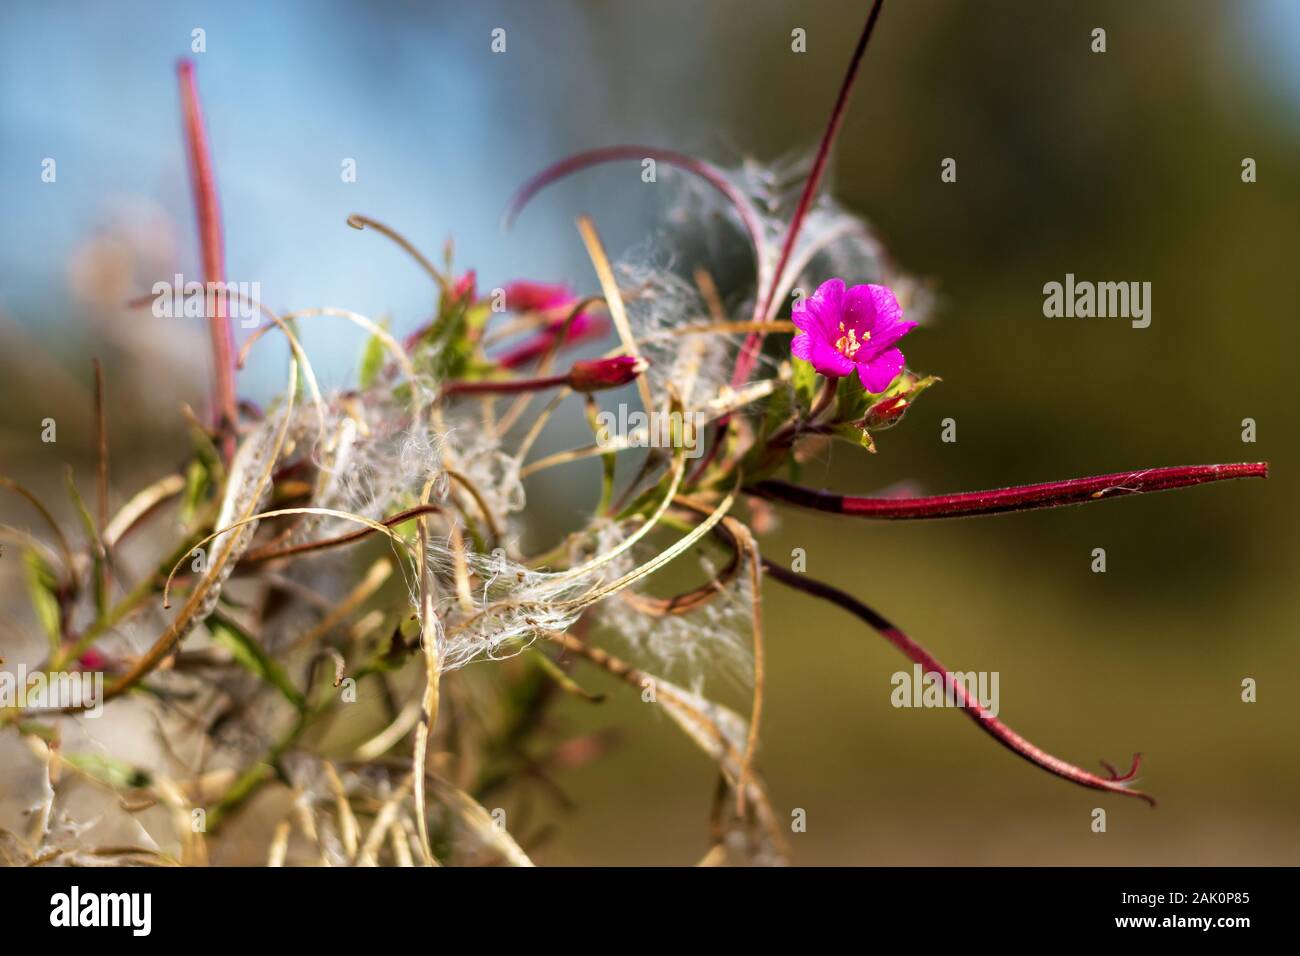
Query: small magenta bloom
(844, 330)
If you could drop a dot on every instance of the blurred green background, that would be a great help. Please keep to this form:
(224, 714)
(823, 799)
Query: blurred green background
(1122, 166)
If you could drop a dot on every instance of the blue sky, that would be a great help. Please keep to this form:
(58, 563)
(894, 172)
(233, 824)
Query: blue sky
(441, 129)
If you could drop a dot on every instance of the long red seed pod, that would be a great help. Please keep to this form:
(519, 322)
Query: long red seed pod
(1052, 494)
(208, 212)
(990, 725)
(749, 351)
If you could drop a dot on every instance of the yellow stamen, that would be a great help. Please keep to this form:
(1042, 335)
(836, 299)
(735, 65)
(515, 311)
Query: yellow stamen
(848, 344)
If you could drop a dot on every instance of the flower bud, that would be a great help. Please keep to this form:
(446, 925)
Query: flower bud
(598, 374)
(886, 412)
(465, 288)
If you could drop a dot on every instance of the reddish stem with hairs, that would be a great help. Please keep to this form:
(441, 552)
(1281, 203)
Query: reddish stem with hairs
(208, 212)
(999, 731)
(1051, 494)
(767, 291)
(749, 351)
(505, 386)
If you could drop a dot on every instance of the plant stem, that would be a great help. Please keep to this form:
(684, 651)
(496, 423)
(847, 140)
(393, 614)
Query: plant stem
(512, 386)
(989, 724)
(749, 351)
(1052, 494)
(208, 212)
(784, 435)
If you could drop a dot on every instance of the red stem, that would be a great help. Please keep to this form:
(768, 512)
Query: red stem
(1052, 494)
(750, 348)
(990, 725)
(512, 386)
(749, 351)
(208, 212)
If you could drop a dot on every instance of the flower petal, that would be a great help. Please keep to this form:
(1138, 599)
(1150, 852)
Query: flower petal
(803, 317)
(874, 309)
(877, 374)
(890, 324)
(801, 347)
(860, 312)
(827, 359)
(822, 310)
(888, 336)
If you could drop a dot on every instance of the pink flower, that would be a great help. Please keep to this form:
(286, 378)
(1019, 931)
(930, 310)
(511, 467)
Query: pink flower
(556, 300)
(524, 295)
(844, 330)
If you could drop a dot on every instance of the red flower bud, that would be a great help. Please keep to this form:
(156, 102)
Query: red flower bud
(465, 287)
(592, 376)
(886, 412)
(93, 660)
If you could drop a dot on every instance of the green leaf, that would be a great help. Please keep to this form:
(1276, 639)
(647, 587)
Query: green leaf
(889, 408)
(448, 344)
(197, 479)
(855, 434)
(915, 386)
(250, 655)
(911, 385)
(779, 410)
(402, 393)
(43, 588)
(207, 455)
(96, 547)
(852, 399)
(115, 773)
(780, 406)
(477, 315)
(561, 677)
(609, 461)
(805, 383)
(372, 360)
